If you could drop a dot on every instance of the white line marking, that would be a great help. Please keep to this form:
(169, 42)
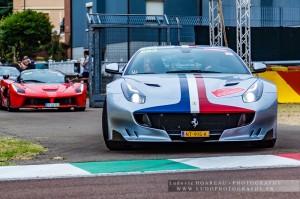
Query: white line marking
(40, 171)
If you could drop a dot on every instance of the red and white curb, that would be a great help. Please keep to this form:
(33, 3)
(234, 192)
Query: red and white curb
(239, 162)
(47, 171)
(40, 171)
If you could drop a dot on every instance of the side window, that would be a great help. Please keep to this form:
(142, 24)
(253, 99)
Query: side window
(154, 7)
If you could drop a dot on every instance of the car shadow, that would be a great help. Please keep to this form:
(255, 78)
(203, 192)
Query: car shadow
(178, 148)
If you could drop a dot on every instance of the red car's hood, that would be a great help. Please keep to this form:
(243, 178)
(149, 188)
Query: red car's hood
(46, 88)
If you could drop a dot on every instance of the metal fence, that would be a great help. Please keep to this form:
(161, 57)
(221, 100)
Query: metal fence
(265, 16)
(115, 38)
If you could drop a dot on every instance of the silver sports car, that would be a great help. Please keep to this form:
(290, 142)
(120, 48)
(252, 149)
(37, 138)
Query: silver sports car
(188, 94)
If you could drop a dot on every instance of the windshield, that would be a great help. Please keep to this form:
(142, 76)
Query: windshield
(186, 60)
(12, 71)
(42, 76)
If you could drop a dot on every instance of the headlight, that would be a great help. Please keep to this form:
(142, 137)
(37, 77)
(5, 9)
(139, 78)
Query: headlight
(18, 90)
(80, 89)
(132, 94)
(254, 93)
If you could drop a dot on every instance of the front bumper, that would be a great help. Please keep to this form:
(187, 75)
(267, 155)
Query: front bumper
(122, 124)
(40, 101)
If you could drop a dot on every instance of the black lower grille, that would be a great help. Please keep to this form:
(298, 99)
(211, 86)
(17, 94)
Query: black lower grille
(42, 101)
(65, 101)
(36, 101)
(194, 122)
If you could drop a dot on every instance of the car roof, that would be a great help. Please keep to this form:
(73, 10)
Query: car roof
(8, 67)
(184, 46)
(38, 69)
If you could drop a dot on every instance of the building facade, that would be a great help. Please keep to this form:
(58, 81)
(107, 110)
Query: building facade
(149, 7)
(264, 13)
(52, 8)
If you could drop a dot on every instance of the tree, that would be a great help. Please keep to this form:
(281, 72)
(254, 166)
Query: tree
(24, 32)
(6, 7)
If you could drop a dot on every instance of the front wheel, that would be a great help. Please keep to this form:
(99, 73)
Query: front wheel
(1, 107)
(79, 108)
(63, 109)
(112, 145)
(9, 108)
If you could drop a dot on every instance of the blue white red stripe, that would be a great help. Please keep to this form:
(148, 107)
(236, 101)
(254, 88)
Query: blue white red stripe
(194, 99)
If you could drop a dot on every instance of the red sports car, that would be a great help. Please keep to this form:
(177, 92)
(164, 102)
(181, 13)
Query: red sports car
(42, 88)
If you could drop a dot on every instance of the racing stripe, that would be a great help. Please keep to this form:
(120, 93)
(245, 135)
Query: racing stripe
(194, 99)
(205, 106)
(183, 106)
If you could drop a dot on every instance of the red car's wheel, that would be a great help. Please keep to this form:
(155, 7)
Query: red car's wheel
(9, 108)
(1, 107)
(79, 108)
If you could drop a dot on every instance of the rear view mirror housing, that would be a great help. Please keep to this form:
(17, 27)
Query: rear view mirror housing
(258, 67)
(112, 68)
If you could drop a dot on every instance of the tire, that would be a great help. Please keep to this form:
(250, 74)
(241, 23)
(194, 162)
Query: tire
(111, 145)
(263, 144)
(9, 108)
(1, 107)
(64, 109)
(79, 108)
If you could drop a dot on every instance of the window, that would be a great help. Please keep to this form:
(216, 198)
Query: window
(154, 7)
(89, 7)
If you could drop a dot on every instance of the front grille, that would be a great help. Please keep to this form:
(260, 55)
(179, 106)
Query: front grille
(36, 101)
(205, 122)
(65, 101)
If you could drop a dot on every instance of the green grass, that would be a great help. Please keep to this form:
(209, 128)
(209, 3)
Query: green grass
(15, 149)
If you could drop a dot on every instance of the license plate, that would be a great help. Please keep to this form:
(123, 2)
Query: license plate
(52, 105)
(197, 134)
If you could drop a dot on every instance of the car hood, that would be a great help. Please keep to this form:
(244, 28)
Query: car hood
(45, 88)
(206, 85)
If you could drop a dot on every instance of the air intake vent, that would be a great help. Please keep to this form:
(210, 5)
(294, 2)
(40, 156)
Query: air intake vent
(232, 84)
(153, 85)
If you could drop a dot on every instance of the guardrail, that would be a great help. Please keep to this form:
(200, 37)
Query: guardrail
(66, 67)
(285, 74)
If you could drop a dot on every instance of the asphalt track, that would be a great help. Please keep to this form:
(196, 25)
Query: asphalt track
(156, 186)
(74, 138)
(77, 137)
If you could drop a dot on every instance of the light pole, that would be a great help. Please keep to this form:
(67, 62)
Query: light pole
(128, 31)
(24, 4)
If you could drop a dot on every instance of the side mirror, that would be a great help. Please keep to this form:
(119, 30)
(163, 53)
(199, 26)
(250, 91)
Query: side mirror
(258, 67)
(112, 68)
(6, 76)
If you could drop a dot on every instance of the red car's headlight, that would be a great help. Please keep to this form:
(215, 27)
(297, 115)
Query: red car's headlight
(80, 89)
(17, 89)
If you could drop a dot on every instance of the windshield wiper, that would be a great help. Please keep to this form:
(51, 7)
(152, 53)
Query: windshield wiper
(192, 71)
(210, 71)
(145, 73)
(185, 71)
(32, 80)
